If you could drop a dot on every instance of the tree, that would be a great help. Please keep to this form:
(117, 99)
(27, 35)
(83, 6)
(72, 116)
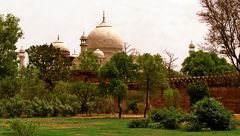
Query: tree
(223, 18)
(203, 63)
(89, 62)
(86, 93)
(115, 75)
(170, 63)
(197, 91)
(120, 92)
(9, 87)
(152, 72)
(52, 64)
(10, 32)
(31, 85)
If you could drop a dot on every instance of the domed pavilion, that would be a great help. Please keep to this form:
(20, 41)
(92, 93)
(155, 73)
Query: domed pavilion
(102, 38)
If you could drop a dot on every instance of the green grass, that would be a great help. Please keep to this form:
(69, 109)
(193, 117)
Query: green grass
(102, 127)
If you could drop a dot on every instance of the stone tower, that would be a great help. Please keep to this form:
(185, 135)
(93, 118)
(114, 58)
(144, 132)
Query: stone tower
(21, 56)
(83, 44)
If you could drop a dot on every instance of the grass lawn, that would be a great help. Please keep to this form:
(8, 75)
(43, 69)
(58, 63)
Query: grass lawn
(60, 126)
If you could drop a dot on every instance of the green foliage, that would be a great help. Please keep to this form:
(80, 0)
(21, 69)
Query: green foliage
(152, 72)
(213, 114)
(132, 106)
(140, 123)
(10, 32)
(89, 62)
(9, 87)
(118, 71)
(172, 97)
(31, 85)
(23, 128)
(203, 64)
(197, 91)
(14, 106)
(120, 92)
(41, 108)
(86, 93)
(170, 118)
(52, 64)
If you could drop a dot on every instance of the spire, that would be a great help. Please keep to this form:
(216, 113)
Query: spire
(103, 17)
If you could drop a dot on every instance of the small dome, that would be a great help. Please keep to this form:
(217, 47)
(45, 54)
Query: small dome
(191, 45)
(21, 50)
(99, 54)
(61, 45)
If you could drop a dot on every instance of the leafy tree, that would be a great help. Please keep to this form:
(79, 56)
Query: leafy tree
(10, 32)
(223, 18)
(89, 62)
(9, 87)
(86, 94)
(203, 63)
(31, 85)
(118, 71)
(152, 73)
(197, 91)
(52, 64)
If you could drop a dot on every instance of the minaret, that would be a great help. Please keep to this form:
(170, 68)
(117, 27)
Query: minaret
(83, 44)
(21, 56)
(191, 48)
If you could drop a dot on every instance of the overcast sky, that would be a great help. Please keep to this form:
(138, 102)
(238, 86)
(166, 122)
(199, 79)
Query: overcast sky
(151, 26)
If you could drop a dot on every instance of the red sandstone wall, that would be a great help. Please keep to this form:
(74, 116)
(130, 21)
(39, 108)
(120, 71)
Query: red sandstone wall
(229, 96)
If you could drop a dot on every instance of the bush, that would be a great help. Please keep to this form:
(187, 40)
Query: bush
(197, 91)
(14, 107)
(172, 97)
(168, 117)
(143, 123)
(41, 108)
(66, 110)
(212, 113)
(23, 128)
(132, 106)
(155, 125)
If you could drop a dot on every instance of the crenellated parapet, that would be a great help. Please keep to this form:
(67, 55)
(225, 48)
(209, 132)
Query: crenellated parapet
(232, 79)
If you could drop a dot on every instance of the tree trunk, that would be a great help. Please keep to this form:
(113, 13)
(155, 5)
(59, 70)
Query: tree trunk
(147, 93)
(120, 109)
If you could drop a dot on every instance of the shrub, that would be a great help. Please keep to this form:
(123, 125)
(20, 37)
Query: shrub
(168, 117)
(197, 91)
(171, 97)
(14, 106)
(23, 128)
(143, 123)
(67, 110)
(41, 108)
(212, 113)
(155, 125)
(132, 106)
(191, 123)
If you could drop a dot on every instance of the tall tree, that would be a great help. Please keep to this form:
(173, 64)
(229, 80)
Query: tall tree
(89, 62)
(152, 72)
(223, 18)
(203, 63)
(10, 32)
(52, 64)
(86, 93)
(169, 62)
(114, 76)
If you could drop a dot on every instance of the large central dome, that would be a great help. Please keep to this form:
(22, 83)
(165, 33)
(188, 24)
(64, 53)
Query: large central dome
(104, 37)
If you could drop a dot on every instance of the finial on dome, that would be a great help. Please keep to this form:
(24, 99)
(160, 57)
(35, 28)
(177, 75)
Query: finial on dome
(103, 17)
